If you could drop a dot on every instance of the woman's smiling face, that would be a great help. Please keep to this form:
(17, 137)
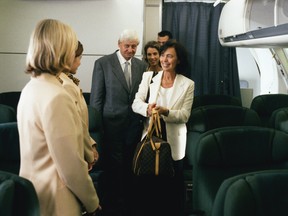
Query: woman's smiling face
(168, 59)
(153, 56)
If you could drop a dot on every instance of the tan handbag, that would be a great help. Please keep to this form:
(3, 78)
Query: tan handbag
(153, 154)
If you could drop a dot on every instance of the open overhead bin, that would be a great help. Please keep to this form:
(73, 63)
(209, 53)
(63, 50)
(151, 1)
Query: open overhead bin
(254, 23)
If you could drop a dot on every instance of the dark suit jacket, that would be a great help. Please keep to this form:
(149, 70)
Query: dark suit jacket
(110, 94)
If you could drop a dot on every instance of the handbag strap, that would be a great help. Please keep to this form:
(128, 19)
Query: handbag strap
(154, 125)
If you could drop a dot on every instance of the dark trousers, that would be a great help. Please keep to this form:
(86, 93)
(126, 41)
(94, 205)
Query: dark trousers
(120, 141)
(157, 196)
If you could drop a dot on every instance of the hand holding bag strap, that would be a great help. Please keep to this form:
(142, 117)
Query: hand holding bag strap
(156, 123)
(151, 128)
(152, 122)
(154, 126)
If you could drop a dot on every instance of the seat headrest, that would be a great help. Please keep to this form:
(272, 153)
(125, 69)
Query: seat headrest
(255, 193)
(209, 117)
(240, 146)
(279, 119)
(216, 99)
(264, 105)
(7, 114)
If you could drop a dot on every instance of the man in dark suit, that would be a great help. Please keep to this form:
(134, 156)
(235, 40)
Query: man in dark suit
(112, 94)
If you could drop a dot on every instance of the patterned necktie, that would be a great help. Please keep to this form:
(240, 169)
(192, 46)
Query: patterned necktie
(127, 74)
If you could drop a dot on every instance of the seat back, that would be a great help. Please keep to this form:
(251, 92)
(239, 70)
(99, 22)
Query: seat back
(206, 118)
(209, 117)
(216, 99)
(10, 99)
(264, 105)
(96, 132)
(7, 189)
(9, 148)
(17, 196)
(226, 152)
(86, 96)
(279, 119)
(7, 114)
(95, 124)
(253, 194)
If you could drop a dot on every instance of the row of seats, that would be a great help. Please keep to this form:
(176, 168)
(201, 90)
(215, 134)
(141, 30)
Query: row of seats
(211, 111)
(208, 117)
(17, 194)
(263, 105)
(228, 151)
(208, 165)
(205, 120)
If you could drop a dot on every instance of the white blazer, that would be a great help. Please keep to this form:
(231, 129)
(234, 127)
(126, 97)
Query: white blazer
(179, 107)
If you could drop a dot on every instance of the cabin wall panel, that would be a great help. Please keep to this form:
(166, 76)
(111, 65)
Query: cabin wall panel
(97, 23)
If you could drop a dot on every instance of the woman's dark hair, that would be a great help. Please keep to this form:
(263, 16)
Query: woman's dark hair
(181, 52)
(151, 44)
(79, 50)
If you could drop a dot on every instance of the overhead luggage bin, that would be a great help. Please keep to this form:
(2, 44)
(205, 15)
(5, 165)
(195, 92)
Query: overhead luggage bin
(254, 23)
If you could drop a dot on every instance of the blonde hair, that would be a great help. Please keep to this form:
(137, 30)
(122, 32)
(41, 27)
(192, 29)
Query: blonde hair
(51, 49)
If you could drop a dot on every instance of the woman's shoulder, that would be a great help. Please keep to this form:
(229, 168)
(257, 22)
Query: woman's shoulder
(185, 79)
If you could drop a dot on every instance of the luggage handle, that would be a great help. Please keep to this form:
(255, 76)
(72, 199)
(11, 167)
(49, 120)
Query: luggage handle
(154, 125)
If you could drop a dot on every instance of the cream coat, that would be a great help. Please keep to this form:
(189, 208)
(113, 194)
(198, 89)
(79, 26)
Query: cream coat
(51, 147)
(179, 107)
(76, 94)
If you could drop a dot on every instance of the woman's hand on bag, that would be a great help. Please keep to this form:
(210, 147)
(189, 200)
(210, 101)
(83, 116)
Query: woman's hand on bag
(162, 110)
(150, 108)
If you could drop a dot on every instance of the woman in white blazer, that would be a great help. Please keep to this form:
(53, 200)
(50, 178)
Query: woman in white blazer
(50, 129)
(171, 94)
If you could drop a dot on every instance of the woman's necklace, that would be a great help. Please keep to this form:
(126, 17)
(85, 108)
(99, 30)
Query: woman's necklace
(74, 79)
(167, 83)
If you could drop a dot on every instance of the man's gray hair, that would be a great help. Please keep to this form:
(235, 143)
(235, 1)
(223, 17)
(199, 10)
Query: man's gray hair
(129, 35)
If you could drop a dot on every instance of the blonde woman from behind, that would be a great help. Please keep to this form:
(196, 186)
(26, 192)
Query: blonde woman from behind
(50, 129)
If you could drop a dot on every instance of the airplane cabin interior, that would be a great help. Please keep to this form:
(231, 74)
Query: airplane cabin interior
(236, 159)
